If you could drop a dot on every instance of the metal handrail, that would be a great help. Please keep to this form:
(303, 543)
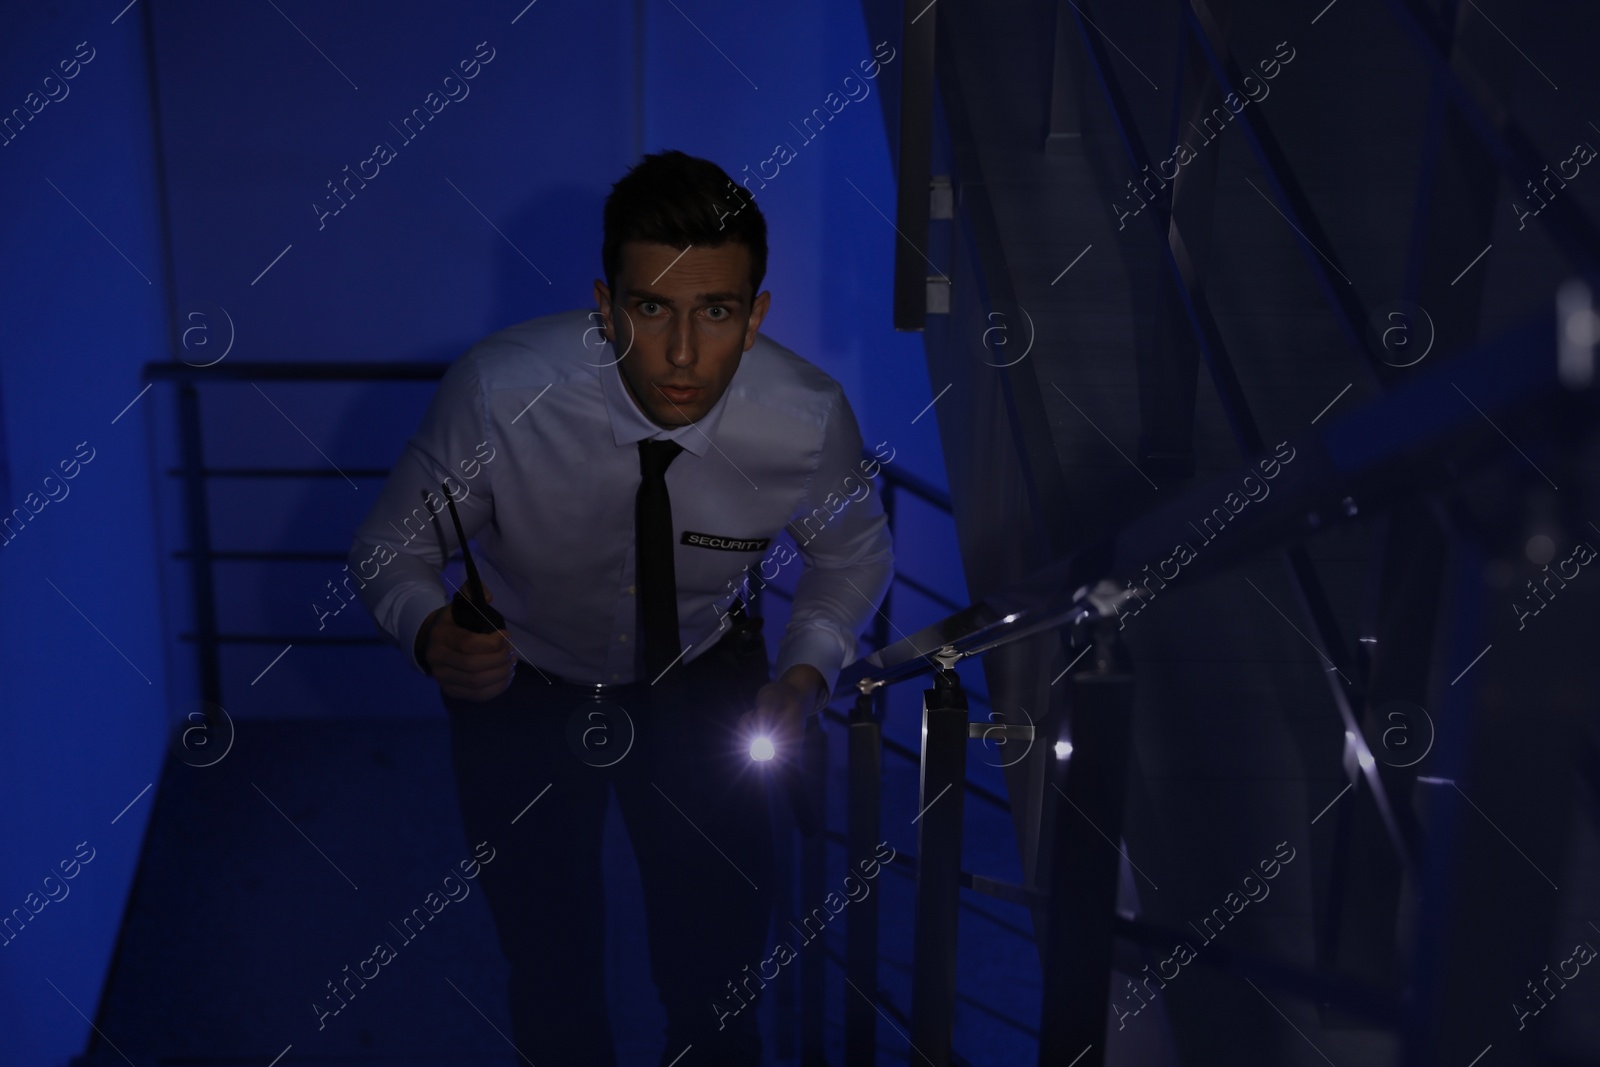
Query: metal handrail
(1342, 475)
(196, 474)
(1368, 455)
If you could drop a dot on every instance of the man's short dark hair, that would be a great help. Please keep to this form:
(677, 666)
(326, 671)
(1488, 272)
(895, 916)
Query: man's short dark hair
(673, 198)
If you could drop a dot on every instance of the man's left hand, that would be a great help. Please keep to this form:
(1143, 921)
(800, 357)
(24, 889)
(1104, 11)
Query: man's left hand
(782, 706)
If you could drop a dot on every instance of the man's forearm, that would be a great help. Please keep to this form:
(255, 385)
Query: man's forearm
(832, 604)
(809, 681)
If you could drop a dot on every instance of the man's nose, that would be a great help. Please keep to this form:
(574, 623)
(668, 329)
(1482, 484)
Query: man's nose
(680, 347)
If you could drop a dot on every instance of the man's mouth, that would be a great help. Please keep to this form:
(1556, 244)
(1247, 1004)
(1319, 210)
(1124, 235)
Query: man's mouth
(679, 394)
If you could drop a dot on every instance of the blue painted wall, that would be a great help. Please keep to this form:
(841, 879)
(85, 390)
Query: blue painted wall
(87, 695)
(205, 223)
(488, 216)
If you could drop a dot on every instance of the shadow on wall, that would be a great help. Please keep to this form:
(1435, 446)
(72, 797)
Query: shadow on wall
(560, 232)
(545, 257)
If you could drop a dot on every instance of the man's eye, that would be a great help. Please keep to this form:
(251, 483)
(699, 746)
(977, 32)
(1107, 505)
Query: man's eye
(722, 313)
(649, 307)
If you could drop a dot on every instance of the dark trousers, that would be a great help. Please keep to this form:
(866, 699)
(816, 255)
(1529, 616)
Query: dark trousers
(696, 810)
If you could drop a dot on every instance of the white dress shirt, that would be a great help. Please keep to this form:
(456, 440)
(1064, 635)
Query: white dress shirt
(537, 433)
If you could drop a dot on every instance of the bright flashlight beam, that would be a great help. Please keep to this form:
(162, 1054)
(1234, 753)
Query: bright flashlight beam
(761, 749)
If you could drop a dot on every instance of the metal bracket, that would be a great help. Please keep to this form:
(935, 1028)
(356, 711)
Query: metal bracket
(1008, 731)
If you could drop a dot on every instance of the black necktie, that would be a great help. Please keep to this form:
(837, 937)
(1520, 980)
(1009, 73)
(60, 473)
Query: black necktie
(657, 584)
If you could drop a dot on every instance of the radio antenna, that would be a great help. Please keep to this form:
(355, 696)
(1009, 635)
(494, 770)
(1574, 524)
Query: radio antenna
(466, 553)
(469, 608)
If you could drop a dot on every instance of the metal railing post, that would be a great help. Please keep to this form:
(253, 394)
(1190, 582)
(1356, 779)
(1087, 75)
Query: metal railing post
(914, 166)
(197, 525)
(1088, 781)
(941, 797)
(786, 1026)
(813, 866)
(861, 929)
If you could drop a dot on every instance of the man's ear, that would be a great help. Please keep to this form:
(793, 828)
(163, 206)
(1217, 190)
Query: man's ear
(758, 311)
(602, 301)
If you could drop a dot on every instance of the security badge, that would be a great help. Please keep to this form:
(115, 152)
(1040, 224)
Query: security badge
(726, 544)
(746, 636)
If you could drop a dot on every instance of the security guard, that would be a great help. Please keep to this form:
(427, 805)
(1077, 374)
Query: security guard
(625, 474)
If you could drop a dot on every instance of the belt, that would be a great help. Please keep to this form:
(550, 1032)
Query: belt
(598, 690)
(745, 628)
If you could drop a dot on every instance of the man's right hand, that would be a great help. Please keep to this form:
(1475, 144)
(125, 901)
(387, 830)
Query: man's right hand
(467, 665)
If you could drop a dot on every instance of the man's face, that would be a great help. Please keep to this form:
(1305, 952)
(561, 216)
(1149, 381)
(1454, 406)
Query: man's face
(682, 319)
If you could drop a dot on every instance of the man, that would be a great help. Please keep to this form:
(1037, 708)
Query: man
(621, 471)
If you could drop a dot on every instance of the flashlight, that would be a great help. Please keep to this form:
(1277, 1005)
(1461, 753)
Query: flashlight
(762, 750)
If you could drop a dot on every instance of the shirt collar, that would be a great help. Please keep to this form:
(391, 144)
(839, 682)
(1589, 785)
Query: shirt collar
(629, 425)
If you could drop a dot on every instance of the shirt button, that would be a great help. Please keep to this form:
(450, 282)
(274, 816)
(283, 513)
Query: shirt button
(622, 637)
(616, 677)
(631, 588)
